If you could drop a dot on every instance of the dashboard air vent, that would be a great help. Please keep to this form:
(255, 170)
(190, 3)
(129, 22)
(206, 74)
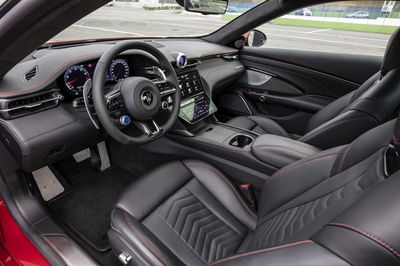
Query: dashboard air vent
(21, 106)
(31, 73)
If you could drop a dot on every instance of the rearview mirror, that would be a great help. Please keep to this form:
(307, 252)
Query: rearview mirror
(256, 38)
(206, 7)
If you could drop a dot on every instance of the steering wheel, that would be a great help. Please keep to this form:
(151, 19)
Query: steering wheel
(138, 98)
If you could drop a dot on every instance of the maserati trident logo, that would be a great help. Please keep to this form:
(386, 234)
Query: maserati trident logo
(147, 97)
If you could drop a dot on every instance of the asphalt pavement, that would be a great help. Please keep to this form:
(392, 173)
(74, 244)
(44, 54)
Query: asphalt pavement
(133, 22)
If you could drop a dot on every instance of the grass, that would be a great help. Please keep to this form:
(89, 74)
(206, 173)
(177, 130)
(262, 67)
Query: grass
(336, 25)
(228, 17)
(327, 25)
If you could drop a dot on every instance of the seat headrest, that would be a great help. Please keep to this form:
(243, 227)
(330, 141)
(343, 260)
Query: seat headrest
(391, 59)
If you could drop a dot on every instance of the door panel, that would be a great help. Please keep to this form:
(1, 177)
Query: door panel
(290, 86)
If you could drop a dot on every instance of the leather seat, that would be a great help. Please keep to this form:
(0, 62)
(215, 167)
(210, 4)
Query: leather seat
(334, 208)
(373, 103)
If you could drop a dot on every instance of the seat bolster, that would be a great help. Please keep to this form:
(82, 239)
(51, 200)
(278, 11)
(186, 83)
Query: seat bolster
(223, 190)
(340, 130)
(129, 236)
(292, 180)
(147, 193)
(365, 233)
(297, 253)
(365, 145)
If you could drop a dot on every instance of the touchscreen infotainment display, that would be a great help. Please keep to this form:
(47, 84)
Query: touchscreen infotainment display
(196, 104)
(190, 83)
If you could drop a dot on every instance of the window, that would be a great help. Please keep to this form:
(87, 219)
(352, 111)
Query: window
(352, 27)
(154, 18)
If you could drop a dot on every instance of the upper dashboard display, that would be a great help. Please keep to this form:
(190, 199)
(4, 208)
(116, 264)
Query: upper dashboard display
(76, 76)
(190, 83)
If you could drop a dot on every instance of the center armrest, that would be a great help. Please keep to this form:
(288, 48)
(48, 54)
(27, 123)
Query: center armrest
(280, 151)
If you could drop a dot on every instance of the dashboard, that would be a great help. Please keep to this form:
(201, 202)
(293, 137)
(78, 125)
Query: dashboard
(43, 119)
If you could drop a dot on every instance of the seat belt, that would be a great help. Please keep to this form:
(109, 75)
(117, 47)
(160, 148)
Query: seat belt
(247, 191)
(391, 159)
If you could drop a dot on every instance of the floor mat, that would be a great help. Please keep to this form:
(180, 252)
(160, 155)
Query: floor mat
(86, 208)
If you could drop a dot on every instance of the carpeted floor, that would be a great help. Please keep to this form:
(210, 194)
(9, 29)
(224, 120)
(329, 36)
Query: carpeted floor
(86, 208)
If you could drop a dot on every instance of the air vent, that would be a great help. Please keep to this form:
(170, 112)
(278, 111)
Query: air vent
(31, 73)
(13, 108)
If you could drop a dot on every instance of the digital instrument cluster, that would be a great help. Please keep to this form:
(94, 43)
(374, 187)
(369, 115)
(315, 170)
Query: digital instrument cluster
(196, 104)
(76, 76)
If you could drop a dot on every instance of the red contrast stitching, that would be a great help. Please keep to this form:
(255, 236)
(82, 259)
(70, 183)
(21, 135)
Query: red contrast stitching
(365, 233)
(395, 139)
(226, 181)
(283, 170)
(145, 242)
(260, 251)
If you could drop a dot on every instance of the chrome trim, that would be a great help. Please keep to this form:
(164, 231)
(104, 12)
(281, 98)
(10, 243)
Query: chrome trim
(36, 71)
(112, 96)
(57, 98)
(178, 65)
(158, 71)
(147, 131)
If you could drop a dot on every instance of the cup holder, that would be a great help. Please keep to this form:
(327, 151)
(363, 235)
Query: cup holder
(241, 141)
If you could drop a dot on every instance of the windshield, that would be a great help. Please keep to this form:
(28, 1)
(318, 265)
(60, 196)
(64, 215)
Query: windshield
(149, 18)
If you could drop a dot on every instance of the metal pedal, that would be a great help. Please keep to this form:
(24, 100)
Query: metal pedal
(103, 153)
(48, 184)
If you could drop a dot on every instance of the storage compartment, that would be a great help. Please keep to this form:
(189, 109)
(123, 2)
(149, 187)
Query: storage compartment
(241, 141)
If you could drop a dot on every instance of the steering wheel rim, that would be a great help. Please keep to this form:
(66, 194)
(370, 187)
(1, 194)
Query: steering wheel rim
(99, 100)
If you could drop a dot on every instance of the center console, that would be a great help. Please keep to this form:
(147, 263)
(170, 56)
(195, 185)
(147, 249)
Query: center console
(199, 130)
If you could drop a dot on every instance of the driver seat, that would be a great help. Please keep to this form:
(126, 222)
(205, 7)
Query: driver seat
(334, 208)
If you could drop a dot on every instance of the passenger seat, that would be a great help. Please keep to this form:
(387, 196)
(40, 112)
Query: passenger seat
(373, 103)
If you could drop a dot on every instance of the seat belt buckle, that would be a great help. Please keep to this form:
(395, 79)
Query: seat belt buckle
(247, 191)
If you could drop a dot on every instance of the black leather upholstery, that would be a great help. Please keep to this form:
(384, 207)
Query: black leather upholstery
(373, 103)
(259, 124)
(333, 208)
(280, 151)
(392, 55)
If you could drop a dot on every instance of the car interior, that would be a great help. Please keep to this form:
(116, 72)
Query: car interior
(197, 150)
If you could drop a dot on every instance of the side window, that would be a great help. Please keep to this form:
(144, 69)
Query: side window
(352, 27)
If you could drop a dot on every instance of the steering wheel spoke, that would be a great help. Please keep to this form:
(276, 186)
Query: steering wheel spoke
(114, 100)
(149, 128)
